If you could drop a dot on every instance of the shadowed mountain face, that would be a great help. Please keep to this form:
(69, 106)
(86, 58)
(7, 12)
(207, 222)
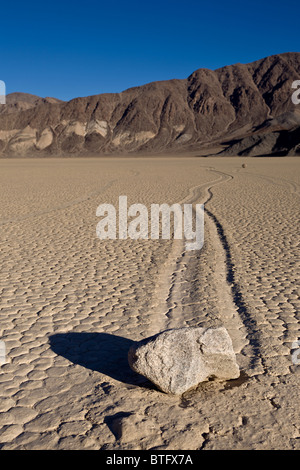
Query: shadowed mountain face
(236, 110)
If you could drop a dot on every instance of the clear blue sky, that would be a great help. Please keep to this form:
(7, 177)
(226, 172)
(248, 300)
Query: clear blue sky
(69, 49)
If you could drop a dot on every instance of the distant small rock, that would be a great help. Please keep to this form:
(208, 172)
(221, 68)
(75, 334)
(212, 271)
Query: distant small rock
(244, 165)
(179, 359)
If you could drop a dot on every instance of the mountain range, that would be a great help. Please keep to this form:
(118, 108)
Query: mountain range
(241, 109)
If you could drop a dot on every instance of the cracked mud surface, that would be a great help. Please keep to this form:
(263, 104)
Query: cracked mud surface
(71, 305)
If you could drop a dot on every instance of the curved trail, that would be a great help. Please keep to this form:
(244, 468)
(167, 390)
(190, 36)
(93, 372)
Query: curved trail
(168, 307)
(167, 290)
(292, 185)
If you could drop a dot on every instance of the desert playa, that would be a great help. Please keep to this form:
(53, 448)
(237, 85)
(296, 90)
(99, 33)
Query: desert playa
(72, 304)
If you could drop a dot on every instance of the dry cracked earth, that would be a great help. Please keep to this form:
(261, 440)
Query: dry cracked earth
(72, 304)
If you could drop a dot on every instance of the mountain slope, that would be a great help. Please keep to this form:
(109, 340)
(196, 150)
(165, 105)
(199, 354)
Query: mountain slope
(243, 109)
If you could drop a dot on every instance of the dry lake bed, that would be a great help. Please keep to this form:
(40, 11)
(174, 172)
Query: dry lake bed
(72, 304)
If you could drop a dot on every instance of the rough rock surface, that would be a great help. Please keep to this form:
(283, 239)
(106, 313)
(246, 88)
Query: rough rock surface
(179, 359)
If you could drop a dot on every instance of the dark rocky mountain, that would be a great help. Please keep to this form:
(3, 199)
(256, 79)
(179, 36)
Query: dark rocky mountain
(242, 109)
(21, 101)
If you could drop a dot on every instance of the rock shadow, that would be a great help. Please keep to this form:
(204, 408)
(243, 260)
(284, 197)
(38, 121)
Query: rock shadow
(101, 352)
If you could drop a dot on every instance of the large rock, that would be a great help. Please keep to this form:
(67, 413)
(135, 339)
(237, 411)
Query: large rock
(179, 359)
